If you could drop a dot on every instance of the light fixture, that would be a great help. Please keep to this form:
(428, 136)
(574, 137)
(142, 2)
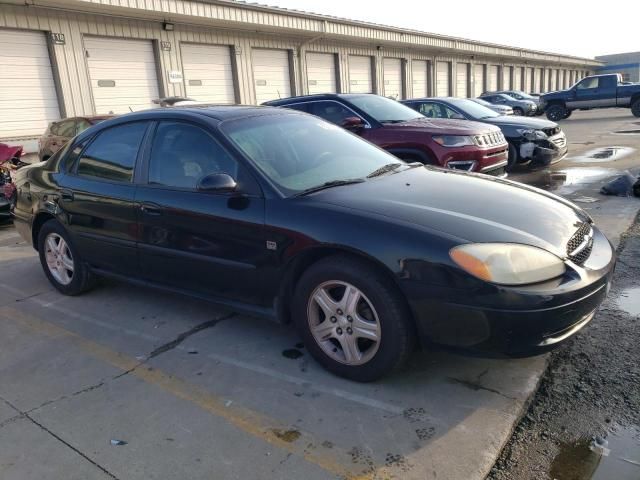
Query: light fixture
(168, 26)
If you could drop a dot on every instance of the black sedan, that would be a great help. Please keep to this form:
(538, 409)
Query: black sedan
(532, 141)
(281, 214)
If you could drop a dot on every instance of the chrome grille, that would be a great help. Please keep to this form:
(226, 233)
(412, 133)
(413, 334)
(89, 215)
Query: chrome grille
(560, 141)
(492, 139)
(580, 245)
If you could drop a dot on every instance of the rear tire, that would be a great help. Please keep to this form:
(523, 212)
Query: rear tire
(518, 111)
(361, 335)
(556, 112)
(61, 261)
(635, 107)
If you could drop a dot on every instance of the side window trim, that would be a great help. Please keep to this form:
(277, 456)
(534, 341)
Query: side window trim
(89, 142)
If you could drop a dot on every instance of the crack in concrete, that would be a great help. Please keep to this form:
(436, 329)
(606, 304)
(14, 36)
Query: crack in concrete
(11, 420)
(64, 397)
(476, 386)
(177, 341)
(58, 438)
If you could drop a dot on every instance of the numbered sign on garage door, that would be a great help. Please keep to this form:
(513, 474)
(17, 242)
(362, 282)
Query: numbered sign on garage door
(123, 74)
(443, 79)
(321, 73)
(28, 99)
(420, 78)
(360, 74)
(272, 74)
(208, 75)
(493, 78)
(462, 80)
(392, 76)
(478, 80)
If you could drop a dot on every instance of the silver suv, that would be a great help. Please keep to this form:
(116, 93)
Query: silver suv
(520, 107)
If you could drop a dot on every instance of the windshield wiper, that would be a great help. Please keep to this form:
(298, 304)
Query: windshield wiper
(332, 183)
(384, 169)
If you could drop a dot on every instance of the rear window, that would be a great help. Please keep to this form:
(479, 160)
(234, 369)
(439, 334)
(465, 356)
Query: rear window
(112, 155)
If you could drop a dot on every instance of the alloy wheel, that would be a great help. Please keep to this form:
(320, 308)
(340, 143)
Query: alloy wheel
(344, 322)
(59, 259)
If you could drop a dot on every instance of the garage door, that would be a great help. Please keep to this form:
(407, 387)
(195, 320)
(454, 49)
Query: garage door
(420, 81)
(443, 79)
(271, 74)
(208, 75)
(478, 80)
(462, 80)
(553, 78)
(360, 77)
(493, 78)
(517, 78)
(321, 73)
(123, 74)
(28, 99)
(392, 75)
(506, 78)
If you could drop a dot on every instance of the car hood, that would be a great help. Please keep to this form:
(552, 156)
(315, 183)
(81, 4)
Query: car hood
(442, 126)
(470, 207)
(524, 122)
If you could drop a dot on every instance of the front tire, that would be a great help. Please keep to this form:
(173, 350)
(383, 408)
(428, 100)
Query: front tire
(518, 111)
(568, 114)
(512, 158)
(61, 261)
(635, 107)
(351, 319)
(556, 112)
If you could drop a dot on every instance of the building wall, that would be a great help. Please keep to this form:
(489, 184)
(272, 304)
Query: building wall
(71, 71)
(627, 64)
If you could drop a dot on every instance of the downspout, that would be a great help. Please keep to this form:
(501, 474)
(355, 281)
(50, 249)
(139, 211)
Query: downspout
(301, 51)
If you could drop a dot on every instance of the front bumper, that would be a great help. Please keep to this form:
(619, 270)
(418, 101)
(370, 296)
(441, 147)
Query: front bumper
(518, 321)
(491, 161)
(544, 152)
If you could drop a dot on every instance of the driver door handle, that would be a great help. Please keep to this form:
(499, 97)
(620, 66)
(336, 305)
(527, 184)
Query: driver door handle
(150, 209)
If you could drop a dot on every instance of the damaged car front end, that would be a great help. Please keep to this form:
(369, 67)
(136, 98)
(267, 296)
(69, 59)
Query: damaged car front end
(540, 147)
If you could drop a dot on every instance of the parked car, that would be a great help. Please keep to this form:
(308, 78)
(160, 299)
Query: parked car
(499, 109)
(520, 95)
(285, 215)
(531, 140)
(520, 107)
(60, 132)
(407, 134)
(596, 91)
(9, 162)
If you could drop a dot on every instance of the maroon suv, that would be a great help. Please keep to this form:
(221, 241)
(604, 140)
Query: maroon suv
(458, 144)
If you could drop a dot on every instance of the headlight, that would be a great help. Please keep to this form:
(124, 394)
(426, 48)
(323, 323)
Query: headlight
(507, 263)
(453, 140)
(530, 134)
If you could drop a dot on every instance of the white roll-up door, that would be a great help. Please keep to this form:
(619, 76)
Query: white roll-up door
(28, 100)
(271, 74)
(360, 74)
(506, 78)
(553, 79)
(392, 76)
(493, 78)
(478, 80)
(321, 73)
(517, 78)
(123, 74)
(420, 78)
(462, 80)
(208, 74)
(443, 79)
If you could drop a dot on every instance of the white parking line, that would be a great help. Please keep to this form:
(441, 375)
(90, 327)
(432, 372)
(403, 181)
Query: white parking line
(353, 397)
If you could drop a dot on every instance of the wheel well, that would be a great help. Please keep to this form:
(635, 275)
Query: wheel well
(635, 97)
(413, 155)
(553, 103)
(41, 219)
(305, 261)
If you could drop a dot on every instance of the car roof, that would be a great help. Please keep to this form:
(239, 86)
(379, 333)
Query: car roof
(316, 97)
(215, 112)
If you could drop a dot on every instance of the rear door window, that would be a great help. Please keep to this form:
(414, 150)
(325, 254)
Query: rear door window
(112, 155)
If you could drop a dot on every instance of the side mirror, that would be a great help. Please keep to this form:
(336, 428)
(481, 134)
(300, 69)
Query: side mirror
(217, 183)
(352, 123)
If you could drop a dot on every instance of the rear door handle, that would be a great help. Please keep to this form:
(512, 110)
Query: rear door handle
(150, 209)
(67, 195)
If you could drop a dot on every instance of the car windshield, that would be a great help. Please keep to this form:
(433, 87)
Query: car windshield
(473, 109)
(383, 109)
(300, 152)
(521, 95)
